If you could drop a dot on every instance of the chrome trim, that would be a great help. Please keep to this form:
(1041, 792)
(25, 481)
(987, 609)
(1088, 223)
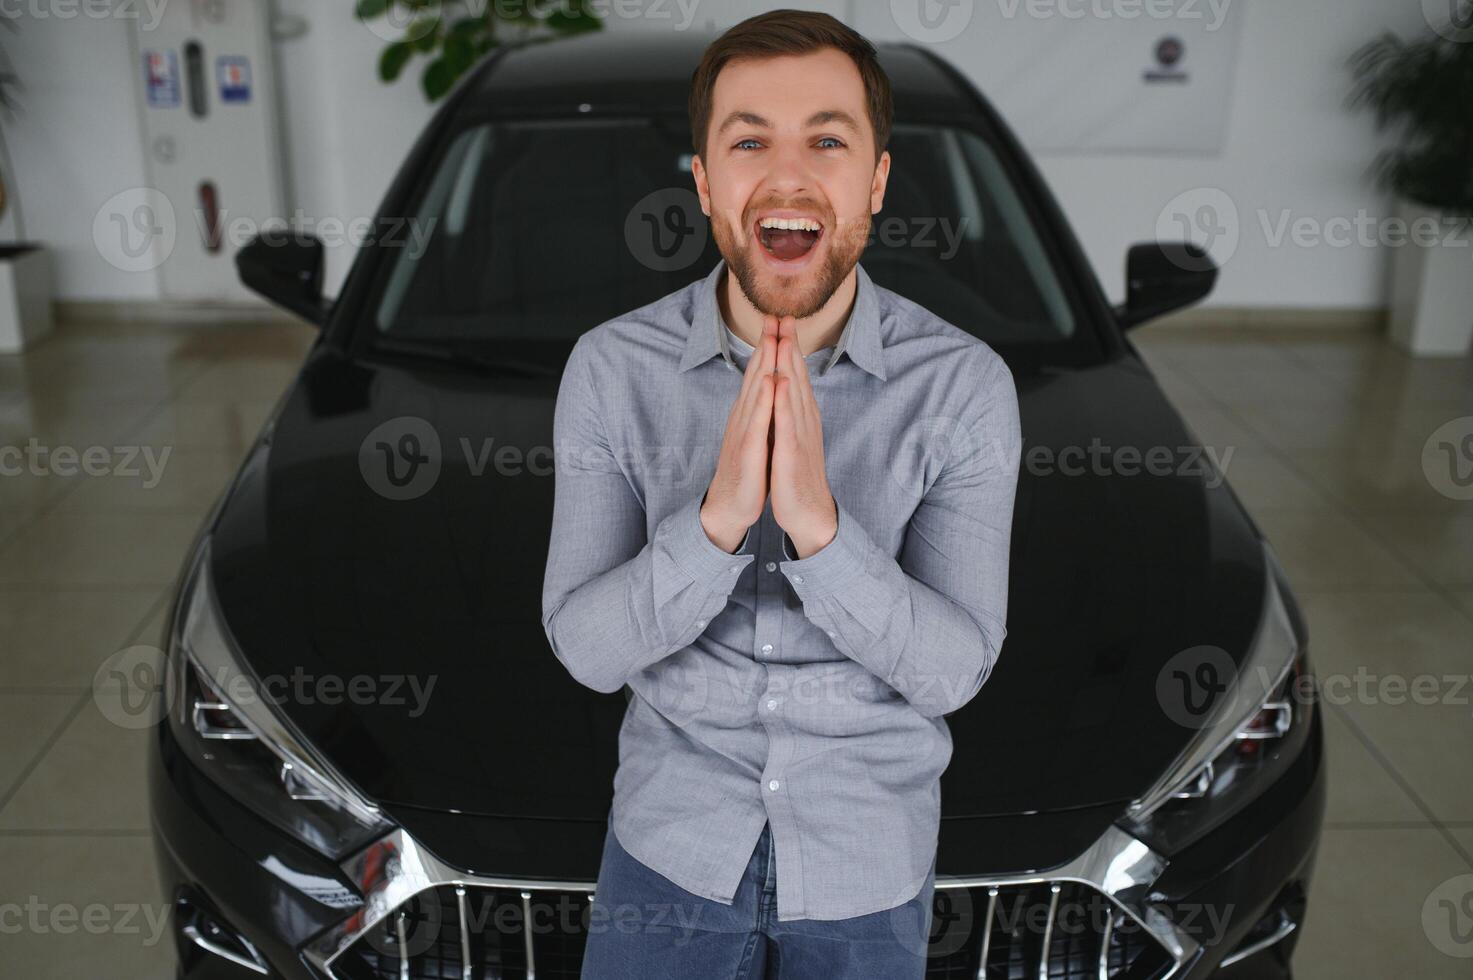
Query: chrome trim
(403, 945)
(1104, 973)
(257, 965)
(1048, 930)
(1120, 867)
(527, 934)
(206, 730)
(397, 867)
(1286, 926)
(987, 932)
(393, 870)
(465, 934)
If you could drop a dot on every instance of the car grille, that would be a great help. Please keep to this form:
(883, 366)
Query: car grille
(1045, 931)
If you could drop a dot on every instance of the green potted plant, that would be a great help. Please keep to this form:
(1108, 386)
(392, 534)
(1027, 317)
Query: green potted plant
(25, 273)
(1423, 89)
(453, 34)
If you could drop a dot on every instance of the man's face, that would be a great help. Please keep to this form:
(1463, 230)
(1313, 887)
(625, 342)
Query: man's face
(790, 143)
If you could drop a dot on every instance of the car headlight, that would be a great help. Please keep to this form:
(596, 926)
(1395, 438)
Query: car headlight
(228, 727)
(1251, 736)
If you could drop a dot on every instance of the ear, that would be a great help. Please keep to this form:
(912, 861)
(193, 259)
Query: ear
(703, 184)
(882, 178)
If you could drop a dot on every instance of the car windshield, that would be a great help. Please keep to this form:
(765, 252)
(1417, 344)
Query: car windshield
(530, 232)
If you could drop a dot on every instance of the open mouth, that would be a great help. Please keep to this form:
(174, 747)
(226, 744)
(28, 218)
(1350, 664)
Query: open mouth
(788, 239)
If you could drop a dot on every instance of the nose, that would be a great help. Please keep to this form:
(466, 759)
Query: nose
(787, 174)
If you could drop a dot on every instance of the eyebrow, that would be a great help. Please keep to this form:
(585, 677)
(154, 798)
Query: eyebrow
(817, 119)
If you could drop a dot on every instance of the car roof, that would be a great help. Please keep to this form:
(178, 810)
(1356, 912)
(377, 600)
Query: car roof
(650, 70)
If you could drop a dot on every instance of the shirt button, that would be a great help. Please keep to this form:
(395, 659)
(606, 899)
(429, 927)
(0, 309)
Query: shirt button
(735, 569)
(702, 622)
(798, 579)
(772, 704)
(767, 648)
(772, 785)
(831, 632)
(772, 566)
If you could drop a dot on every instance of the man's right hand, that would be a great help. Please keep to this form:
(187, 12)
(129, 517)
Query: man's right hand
(738, 491)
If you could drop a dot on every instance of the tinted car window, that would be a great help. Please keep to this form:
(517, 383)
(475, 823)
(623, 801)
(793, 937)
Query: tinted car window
(536, 231)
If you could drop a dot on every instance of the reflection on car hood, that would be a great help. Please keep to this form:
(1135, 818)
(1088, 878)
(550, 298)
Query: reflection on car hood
(320, 572)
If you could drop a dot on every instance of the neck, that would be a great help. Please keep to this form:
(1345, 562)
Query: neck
(815, 332)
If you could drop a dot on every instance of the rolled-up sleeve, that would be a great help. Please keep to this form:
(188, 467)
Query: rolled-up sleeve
(615, 601)
(930, 624)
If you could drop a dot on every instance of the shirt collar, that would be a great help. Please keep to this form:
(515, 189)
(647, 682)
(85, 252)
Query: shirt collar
(860, 338)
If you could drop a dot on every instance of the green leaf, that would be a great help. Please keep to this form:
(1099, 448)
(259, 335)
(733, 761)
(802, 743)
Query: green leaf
(468, 28)
(391, 63)
(459, 54)
(425, 33)
(369, 9)
(437, 79)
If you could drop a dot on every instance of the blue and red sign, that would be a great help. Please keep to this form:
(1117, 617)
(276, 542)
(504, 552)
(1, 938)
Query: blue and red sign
(161, 78)
(233, 71)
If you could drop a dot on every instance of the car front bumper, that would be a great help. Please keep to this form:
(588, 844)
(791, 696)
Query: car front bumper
(252, 902)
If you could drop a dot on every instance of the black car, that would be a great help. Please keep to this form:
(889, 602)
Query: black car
(1136, 793)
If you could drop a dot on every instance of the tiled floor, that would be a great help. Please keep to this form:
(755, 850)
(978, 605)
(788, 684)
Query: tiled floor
(1326, 431)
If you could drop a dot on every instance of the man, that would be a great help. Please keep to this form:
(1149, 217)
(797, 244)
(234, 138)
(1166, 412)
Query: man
(782, 515)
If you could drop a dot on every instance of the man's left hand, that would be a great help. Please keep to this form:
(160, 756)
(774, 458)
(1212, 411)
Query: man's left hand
(802, 503)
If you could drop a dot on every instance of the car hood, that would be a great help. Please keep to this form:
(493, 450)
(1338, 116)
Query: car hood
(437, 597)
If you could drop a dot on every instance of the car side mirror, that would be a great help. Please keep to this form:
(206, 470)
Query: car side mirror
(1161, 277)
(286, 268)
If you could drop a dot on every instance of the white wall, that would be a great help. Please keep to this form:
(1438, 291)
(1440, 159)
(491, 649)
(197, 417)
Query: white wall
(1290, 143)
(75, 142)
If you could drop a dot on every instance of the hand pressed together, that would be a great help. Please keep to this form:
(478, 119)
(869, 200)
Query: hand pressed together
(773, 444)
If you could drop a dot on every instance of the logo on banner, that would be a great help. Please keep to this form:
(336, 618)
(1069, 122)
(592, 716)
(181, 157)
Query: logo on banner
(1169, 52)
(234, 74)
(161, 77)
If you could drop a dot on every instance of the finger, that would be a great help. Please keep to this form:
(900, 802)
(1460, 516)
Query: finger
(750, 375)
(754, 433)
(762, 424)
(796, 371)
(759, 363)
(769, 345)
(803, 389)
(787, 330)
(782, 416)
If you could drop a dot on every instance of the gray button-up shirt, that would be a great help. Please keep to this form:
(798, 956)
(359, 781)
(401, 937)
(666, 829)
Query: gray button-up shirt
(808, 693)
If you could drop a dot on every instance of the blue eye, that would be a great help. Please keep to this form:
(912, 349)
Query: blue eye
(739, 144)
(832, 139)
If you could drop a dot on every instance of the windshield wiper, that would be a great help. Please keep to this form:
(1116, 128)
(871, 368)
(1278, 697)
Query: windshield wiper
(466, 355)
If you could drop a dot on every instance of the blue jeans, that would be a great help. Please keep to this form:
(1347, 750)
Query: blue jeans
(643, 926)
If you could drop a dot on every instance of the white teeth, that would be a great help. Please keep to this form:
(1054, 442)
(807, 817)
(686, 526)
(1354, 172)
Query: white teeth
(791, 224)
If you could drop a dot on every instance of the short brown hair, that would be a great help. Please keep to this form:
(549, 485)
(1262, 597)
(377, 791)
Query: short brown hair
(780, 32)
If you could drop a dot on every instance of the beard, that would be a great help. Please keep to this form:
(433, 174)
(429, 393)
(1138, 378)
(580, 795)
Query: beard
(799, 295)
